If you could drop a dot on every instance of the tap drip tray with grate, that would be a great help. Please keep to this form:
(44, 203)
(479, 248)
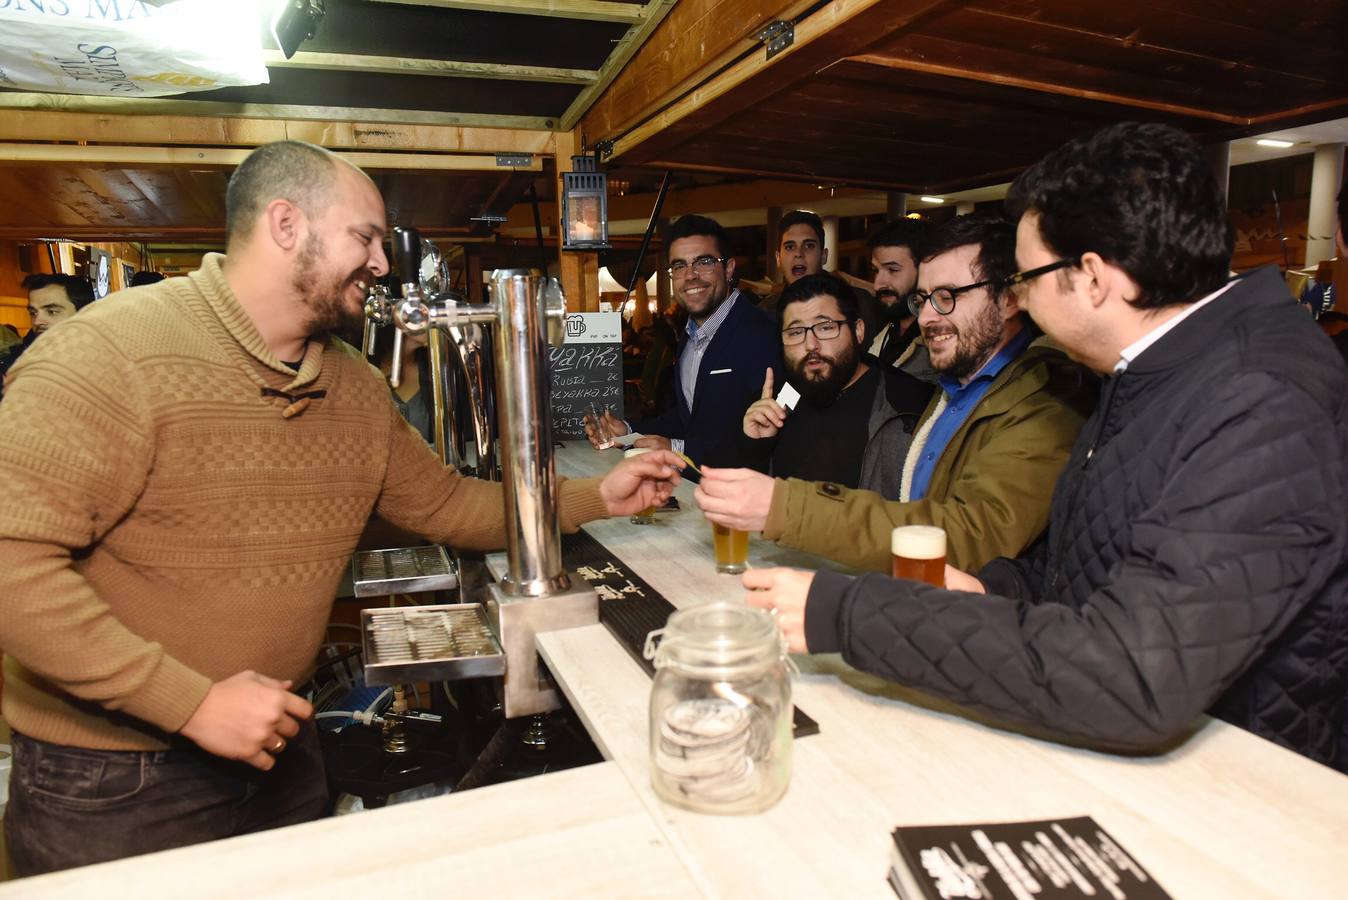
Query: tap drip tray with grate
(429, 643)
(402, 570)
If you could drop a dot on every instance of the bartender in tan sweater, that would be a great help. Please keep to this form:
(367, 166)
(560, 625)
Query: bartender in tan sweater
(188, 467)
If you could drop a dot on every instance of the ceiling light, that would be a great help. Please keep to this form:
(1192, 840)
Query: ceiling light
(932, 199)
(294, 22)
(1270, 142)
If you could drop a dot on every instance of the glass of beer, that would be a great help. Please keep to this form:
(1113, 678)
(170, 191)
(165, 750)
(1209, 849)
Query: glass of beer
(601, 428)
(647, 515)
(919, 553)
(732, 549)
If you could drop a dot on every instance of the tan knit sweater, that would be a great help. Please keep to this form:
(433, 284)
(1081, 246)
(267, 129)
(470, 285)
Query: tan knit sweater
(164, 526)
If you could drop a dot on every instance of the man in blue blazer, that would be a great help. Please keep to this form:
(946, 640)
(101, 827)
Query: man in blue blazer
(724, 355)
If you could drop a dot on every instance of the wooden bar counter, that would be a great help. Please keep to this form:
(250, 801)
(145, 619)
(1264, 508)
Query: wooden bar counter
(1224, 815)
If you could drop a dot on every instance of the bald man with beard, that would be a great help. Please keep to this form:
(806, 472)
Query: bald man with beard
(182, 507)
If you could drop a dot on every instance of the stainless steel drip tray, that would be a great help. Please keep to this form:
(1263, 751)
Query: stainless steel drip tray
(402, 570)
(429, 643)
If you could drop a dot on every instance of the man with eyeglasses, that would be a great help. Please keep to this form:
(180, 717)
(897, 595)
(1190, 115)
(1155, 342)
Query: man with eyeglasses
(852, 418)
(986, 452)
(1197, 557)
(728, 345)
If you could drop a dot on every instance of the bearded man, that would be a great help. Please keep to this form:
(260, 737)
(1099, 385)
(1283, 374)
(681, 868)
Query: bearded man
(182, 506)
(987, 449)
(852, 420)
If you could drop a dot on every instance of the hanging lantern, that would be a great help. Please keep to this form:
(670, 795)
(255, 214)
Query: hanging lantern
(584, 206)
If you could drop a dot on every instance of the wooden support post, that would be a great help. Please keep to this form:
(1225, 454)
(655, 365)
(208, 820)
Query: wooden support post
(774, 241)
(579, 272)
(896, 205)
(472, 273)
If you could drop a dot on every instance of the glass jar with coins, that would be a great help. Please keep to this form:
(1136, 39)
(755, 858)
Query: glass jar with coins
(720, 710)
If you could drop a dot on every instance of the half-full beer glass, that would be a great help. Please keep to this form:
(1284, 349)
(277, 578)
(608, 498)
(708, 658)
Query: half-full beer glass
(647, 515)
(732, 549)
(919, 553)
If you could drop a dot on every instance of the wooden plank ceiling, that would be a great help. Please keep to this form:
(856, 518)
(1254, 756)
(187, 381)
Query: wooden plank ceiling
(912, 95)
(940, 95)
(405, 70)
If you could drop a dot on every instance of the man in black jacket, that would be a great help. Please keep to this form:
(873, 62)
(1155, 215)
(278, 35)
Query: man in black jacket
(850, 420)
(1197, 554)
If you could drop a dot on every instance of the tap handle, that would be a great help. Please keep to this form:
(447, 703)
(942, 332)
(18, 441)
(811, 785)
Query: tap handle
(407, 255)
(395, 375)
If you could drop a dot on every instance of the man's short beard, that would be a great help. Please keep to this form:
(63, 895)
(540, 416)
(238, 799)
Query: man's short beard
(823, 392)
(974, 343)
(322, 298)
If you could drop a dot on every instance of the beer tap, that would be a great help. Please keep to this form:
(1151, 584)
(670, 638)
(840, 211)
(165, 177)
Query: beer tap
(527, 311)
(378, 311)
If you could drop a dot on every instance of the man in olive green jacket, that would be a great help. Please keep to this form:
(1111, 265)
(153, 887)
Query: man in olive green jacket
(985, 454)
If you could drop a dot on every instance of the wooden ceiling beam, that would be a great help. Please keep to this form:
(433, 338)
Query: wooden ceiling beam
(697, 39)
(206, 157)
(1043, 87)
(442, 68)
(654, 13)
(49, 125)
(135, 106)
(822, 38)
(593, 10)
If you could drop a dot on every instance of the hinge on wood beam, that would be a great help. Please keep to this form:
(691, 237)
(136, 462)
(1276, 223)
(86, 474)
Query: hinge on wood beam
(776, 36)
(604, 148)
(510, 160)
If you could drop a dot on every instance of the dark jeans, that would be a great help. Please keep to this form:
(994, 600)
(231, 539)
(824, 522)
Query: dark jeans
(69, 806)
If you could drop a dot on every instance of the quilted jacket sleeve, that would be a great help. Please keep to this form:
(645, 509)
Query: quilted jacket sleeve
(1247, 530)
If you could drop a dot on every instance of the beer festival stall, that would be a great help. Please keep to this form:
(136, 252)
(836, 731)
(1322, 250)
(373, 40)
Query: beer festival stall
(553, 719)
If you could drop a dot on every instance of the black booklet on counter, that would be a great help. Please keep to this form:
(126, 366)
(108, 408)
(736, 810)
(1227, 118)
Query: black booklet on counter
(1045, 860)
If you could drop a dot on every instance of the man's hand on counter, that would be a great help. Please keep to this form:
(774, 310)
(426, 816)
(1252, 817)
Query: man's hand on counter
(640, 481)
(736, 498)
(783, 590)
(248, 717)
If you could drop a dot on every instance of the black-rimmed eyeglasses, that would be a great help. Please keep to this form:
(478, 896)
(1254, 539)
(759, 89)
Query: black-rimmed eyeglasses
(822, 331)
(700, 266)
(942, 299)
(1021, 278)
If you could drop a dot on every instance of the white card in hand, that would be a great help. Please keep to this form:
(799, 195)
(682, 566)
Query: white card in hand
(628, 439)
(788, 396)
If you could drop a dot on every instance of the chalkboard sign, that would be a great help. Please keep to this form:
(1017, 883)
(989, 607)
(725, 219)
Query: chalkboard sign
(586, 370)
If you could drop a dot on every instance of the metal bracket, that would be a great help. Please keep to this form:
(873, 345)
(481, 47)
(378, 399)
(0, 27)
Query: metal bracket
(604, 148)
(512, 160)
(488, 220)
(776, 35)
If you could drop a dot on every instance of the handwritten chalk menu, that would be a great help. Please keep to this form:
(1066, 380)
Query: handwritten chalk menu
(1042, 860)
(586, 370)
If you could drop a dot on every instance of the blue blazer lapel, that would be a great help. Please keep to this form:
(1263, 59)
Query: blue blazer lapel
(720, 351)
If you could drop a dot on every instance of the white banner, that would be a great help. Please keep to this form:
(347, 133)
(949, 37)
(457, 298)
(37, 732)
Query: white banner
(127, 48)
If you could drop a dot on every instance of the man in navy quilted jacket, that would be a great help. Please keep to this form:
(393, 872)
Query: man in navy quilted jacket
(1197, 553)
(728, 346)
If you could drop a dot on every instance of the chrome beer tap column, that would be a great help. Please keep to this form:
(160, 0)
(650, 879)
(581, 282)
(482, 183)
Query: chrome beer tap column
(536, 595)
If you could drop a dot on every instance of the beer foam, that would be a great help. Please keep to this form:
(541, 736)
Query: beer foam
(918, 542)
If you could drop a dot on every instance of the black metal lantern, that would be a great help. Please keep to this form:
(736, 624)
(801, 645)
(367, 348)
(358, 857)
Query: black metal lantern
(584, 206)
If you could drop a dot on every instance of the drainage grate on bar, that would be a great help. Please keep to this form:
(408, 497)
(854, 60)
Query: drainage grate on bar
(402, 570)
(429, 643)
